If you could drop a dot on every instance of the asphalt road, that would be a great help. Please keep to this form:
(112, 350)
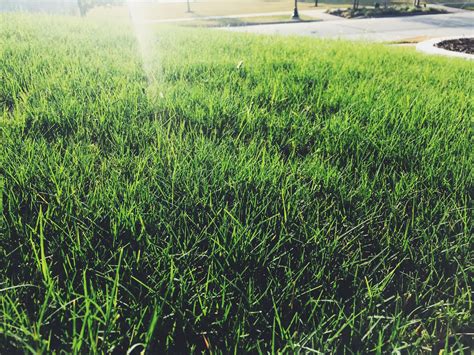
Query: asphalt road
(377, 29)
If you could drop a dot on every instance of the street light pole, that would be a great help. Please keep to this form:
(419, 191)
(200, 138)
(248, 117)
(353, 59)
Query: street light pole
(295, 16)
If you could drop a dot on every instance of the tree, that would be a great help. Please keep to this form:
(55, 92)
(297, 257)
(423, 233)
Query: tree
(416, 3)
(189, 6)
(315, 3)
(355, 4)
(86, 5)
(296, 15)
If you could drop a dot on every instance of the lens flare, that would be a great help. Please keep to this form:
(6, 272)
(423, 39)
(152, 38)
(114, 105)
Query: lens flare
(144, 38)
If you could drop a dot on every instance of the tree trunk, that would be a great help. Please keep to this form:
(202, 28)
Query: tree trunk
(189, 6)
(296, 15)
(315, 3)
(82, 7)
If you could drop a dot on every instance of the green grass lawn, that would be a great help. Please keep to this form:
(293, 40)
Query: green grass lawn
(166, 11)
(239, 194)
(464, 6)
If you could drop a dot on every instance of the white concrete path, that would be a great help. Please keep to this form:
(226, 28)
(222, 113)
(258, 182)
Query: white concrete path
(430, 48)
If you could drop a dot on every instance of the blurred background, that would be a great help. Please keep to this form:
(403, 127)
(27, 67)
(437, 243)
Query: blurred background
(168, 9)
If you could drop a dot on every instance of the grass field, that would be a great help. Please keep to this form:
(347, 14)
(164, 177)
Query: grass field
(230, 193)
(166, 11)
(464, 6)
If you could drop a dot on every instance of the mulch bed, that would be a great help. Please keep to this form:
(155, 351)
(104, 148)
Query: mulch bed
(392, 11)
(463, 45)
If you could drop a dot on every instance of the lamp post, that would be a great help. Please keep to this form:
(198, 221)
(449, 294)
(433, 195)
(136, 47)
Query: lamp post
(295, 16)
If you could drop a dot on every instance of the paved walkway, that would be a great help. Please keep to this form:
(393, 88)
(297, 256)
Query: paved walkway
(458, 23)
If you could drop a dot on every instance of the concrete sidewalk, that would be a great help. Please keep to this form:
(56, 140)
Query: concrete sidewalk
(459, 23)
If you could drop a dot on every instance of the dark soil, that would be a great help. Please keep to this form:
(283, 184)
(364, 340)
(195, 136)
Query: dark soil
(463, 45)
